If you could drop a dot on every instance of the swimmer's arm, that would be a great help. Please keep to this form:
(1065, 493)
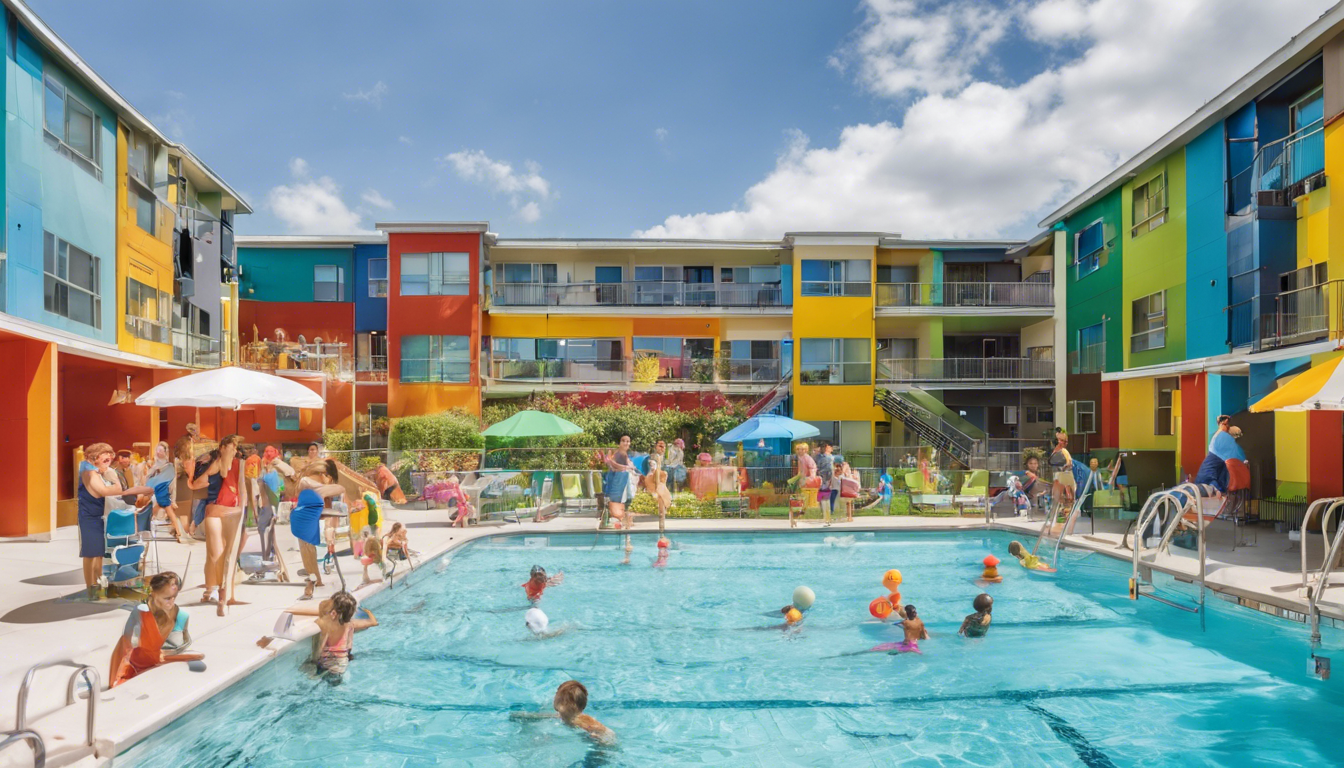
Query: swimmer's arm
(556, 580)
(359, 624)
(965, 623)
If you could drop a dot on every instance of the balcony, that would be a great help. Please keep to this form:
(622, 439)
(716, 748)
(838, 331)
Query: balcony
(1281, 171)
(1089, 358)
(1032, 298)
(332, 359)
(195, 350)
(682, 374)
(746, 298)
(965, 372)
(371, 368)
(1303, 315)
(147, 329)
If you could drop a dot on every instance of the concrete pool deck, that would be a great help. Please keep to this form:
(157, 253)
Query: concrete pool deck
(40, 622)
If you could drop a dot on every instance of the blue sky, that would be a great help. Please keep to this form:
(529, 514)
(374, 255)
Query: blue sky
(688, 118)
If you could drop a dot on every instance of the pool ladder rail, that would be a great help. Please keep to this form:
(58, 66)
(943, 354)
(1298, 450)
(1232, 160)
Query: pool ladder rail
(1179, 500)
(21, 731)
(1330, 549)
(1075, 512)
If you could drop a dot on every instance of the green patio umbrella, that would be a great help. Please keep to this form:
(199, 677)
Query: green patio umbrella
(532, 424)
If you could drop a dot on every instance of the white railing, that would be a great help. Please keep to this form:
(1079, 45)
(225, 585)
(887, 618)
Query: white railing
(892, 370)
(332, 358)
(638, 293)
(1028, 294)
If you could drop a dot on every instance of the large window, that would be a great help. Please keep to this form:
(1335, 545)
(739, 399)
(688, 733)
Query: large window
(1150, 205)
(1150, 323)
(328, 283)
(148, 312)
(370, 352)
(1090, 354)
(73, 125)
(1088, 245)
(435, 359)
(286, 419)
(435, 274)
(529, 273)
(377, 278)
(1164, 392)
(835, 361)
(72, 282)
(768, 274)
(852, 277)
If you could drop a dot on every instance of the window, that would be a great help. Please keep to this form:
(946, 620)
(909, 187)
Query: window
(835, 361)
(607, 274)
(1088, 245)
(72, 280)
(1150, 205)
(73, 125)
(852, 277)
(370, 352)
(435, 274)
(893, 273)
(377, 278)
(328, 283)
(1164, 392)
(658, 274)
(765, 274)
(435, 359)
(1090, 354)
(1040, 414)
(286, 419)
(1084, 416)
(1010, 414)
(1150, 323)
(530, 273)
(147, 311)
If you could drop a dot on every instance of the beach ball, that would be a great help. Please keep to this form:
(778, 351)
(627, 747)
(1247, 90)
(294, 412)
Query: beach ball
(803, 598)
(892, 580)
(880, 608)
(793, 617)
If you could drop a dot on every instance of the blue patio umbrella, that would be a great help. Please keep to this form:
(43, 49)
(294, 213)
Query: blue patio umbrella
(769, 427)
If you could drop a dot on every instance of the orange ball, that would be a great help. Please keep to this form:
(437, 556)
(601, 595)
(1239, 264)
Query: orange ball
(990, 561)
(880, 608)
(892, 580)
(895, 600)
(793, 616)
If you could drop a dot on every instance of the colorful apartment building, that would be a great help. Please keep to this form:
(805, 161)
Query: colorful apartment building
(1201, 274)
(115, 269)
(862, 334)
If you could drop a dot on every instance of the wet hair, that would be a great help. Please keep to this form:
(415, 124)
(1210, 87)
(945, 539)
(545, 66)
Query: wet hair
(572, 694)
(96, 450)
(1015, 548)
(343, 603)
(538, 573)
(163, 580)
(910, 612)
(983, 603)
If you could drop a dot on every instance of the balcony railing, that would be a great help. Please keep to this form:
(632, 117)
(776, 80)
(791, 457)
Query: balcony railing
(964, 369)
(561, 370)
(991, 295)
(1303, 315)
(638, 293)
(371, 368)
(764, 371)
(627, 371)
(147, 329)
(333, 359)
(1277, 167)
(1146, 340)
(197, 351)
(1089, 358)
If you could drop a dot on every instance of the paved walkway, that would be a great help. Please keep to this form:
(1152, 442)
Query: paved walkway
(42, 617)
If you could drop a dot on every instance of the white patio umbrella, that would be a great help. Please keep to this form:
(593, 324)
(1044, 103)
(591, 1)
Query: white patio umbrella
(230, 387)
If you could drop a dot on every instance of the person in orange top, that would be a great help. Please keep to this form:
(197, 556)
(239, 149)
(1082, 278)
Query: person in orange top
(156, 633)
(388, 486)
(538, 583)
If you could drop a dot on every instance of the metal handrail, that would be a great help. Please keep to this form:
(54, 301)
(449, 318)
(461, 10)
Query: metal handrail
(90, 676)
(892, 369)
(1334, 503)
(1314, 595)
(1181, 496)
(34, 741)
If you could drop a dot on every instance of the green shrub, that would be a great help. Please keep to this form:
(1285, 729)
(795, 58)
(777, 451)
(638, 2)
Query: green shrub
(643, 504)
(338, 440)
(455, 429)
(367, 463)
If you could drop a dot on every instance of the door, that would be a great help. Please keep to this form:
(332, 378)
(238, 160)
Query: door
(609, 284)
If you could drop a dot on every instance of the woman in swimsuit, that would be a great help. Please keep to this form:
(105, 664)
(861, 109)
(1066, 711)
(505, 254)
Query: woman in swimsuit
(156, 633)
(332, 644)
(315, 487)
(222, 480)
(655, 482)
(619, 489)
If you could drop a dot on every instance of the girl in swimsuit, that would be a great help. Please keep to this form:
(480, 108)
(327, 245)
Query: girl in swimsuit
(655, 482)
(332, 644)
(619, 488)
(914, 632)
(156, 633)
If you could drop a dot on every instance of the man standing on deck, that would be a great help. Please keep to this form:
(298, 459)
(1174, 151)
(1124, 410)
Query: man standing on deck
(825, 471)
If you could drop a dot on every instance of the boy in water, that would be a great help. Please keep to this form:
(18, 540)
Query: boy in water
(538, 583)
(977, 624)
(571, 698)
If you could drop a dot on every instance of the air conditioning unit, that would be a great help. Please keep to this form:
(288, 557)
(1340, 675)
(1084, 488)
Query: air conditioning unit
(1269, 198)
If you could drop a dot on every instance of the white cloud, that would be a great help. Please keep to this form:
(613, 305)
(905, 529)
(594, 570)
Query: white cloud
(660, 134)
(405, 140)
(525, 189)
(309, 206)
(375, 198)
(975, 158)
(373, 95)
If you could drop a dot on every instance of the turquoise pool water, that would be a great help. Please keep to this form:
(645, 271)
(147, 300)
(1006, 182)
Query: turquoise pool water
(681, 664)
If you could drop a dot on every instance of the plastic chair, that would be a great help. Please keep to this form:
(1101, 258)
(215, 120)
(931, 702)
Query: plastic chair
(977, 483)
(121, 528)
(125, 563)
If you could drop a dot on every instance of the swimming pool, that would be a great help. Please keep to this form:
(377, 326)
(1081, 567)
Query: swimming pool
(678, 663)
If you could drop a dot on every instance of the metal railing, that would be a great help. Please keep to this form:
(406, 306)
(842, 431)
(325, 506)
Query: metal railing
(561, 370)
(756, 370)
(333, 359)
(638, 293)
(1276, 168)
(1089, 358)
(194, 350)
(1022, 294)
(1143, 341)
(147, 329)
(371, 368)
(836, 288)
(34, 742)
(1303, 314)
(434, 370)
(90, 676)
(696, 370)
(892, 370)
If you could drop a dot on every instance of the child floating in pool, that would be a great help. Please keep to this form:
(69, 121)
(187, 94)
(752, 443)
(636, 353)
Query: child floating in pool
(977, 624)
(571, 698)
(337, 626)
(1026, 559)
(538, 583)
(540, 624)
(663, 545)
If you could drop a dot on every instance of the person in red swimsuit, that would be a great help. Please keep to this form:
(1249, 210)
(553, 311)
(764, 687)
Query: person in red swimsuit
(156, 633)
(538, 583)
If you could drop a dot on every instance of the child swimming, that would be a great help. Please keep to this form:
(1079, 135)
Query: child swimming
(1026, 559)
(977, 624)
(914, 632)
(663, 545)
(538, 582)
(571, 698)
(540, 625)
(332, 645)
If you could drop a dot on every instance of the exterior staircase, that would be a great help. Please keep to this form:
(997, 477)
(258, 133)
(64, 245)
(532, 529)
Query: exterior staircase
(933, 430)
(770, 399)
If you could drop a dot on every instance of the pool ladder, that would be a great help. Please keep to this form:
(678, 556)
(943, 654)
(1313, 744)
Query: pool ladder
(1178, 501)
(1330, 549)
(21, 731)
(1074, 513)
